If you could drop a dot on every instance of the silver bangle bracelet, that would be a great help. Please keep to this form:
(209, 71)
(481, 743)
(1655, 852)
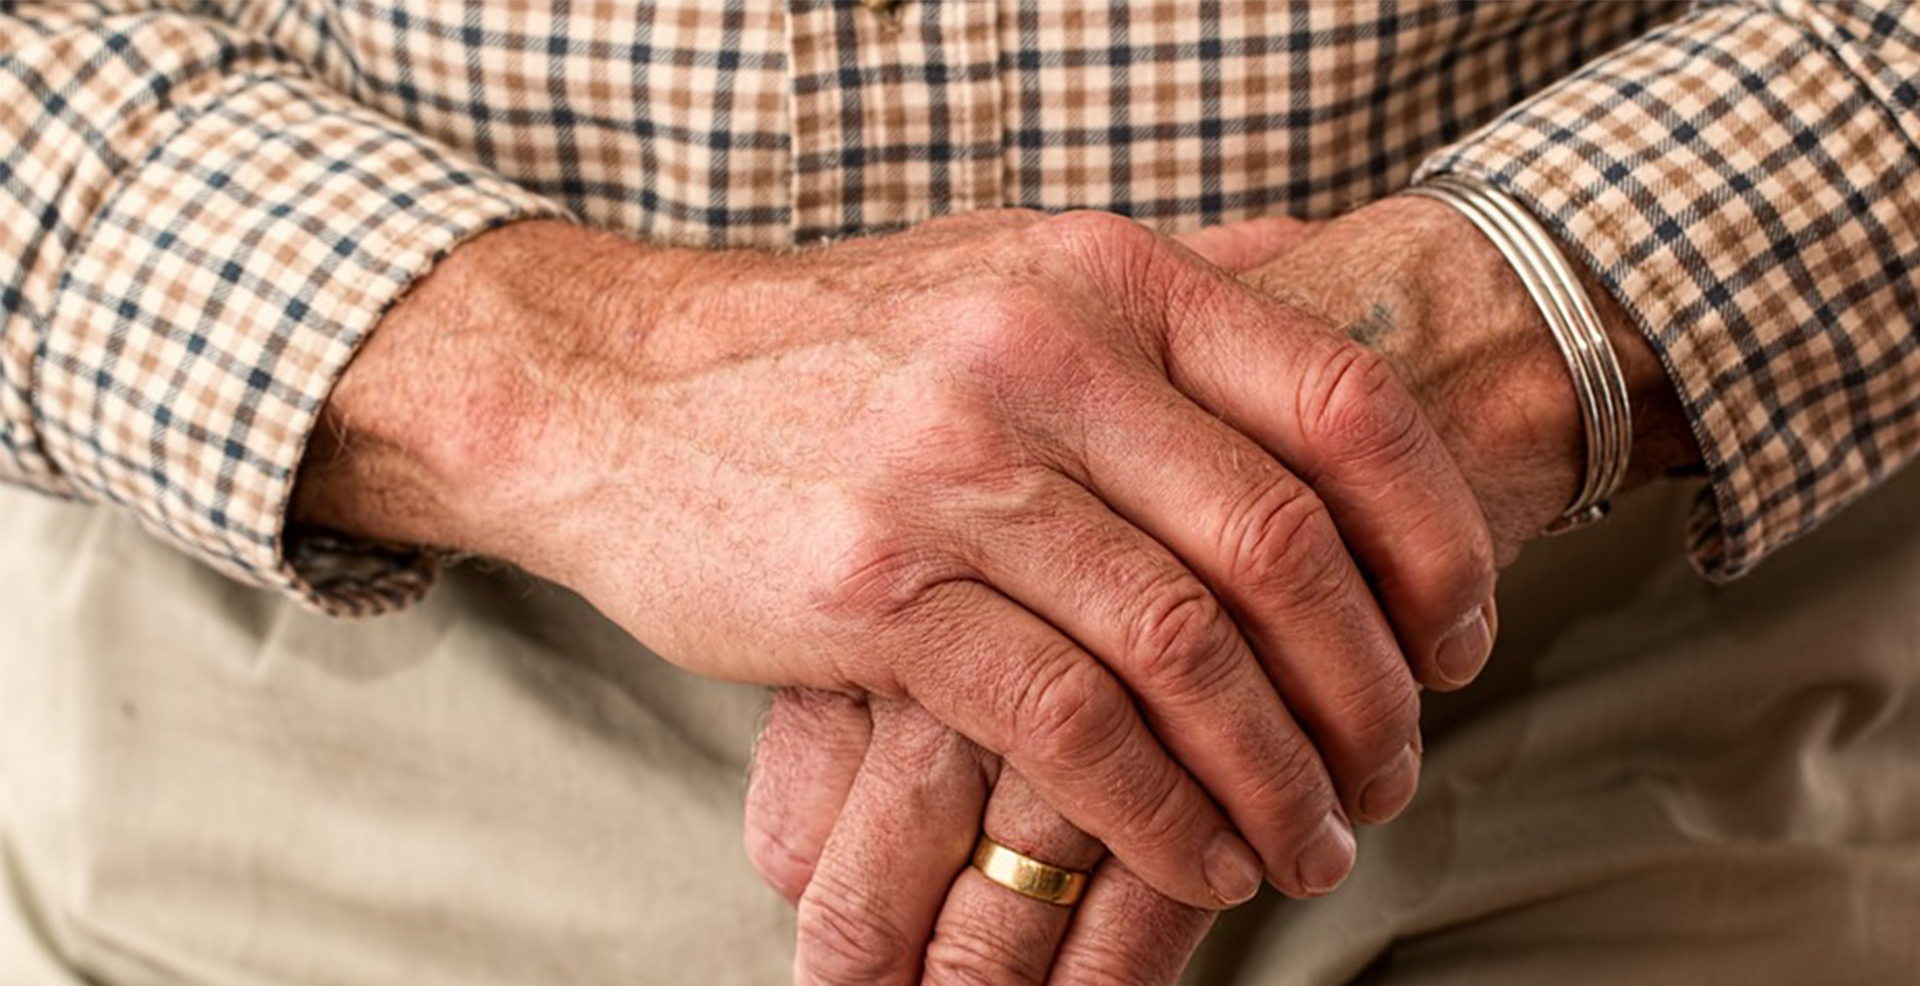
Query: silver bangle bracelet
(1599, 385)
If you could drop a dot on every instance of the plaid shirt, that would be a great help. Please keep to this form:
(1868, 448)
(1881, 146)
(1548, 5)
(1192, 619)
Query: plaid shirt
(205, 206)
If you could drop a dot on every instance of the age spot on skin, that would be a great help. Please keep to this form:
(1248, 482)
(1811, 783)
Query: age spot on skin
(1372, 330)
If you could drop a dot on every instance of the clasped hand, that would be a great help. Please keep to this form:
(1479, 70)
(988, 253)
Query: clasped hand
(1059, 494)
(865, 812)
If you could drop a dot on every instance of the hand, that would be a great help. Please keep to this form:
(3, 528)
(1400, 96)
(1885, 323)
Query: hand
(865, 814)
(1024, 472)
(1419, 284)
(888, 907)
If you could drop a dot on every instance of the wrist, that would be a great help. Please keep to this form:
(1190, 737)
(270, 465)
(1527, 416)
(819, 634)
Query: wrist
(1483, 362)
(1630, 448)
(1416, 281)
(451, 418)
(1485, 319)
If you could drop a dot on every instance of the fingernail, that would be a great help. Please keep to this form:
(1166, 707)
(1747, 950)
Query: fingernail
(1392, 787)
(1232, 869)
(1464, 652)
(1328, 857)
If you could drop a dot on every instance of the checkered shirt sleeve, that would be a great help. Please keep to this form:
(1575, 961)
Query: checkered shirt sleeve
(1746, 181)
(207, 204)
(196, 236)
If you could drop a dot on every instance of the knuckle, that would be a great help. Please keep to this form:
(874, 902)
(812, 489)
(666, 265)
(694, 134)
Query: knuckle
(1109, 963)
(1360, 412)
(883, 572)
(914, 751)
(1475, 567)
(1021, 339)
(785, 870)
(1103, 234)
(1153, 818)
(949, 964)
(1145, 938)
(1121, 255)
(1064, 718)
(976, 955)
(805, 723)
(1294, 787)
(1181, 640)
(1381, 713)
(1103, 960)
(1071, 725)
(1454, 567)
(1101, 967)
(1280, 538)
(845, 939)
(1003, 327)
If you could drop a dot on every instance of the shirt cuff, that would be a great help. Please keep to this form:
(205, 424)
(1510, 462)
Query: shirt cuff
(1736, 180)
(215, 296)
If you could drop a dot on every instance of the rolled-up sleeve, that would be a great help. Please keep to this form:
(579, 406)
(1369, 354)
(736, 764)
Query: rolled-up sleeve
(1746, 182)
(197, 236)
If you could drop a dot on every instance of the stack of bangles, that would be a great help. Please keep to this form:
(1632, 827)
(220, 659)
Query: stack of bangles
(1598, 383)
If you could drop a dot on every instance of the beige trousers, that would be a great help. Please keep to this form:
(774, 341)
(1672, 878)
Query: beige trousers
(1657, 782)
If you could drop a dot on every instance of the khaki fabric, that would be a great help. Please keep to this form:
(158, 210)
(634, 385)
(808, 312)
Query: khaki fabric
(203, 785)
(1659, 781)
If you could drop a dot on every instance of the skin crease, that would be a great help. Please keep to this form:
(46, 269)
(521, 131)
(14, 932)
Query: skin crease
(954, 465)
(1405, 277)
(432, 434)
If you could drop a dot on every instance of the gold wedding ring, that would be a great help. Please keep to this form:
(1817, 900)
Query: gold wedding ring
(1027, 876)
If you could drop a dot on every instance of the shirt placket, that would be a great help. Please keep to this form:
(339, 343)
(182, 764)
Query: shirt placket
(895, 113)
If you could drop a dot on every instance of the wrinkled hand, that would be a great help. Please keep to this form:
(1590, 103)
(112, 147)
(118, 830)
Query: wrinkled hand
(1080, 494)
(862, 813)
(866, 821)
(865, 816)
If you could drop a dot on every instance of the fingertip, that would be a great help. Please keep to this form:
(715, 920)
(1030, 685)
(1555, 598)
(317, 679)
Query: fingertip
(783, 869)
(1463, 652)
(1388, 793)
(1328, 857)
(1233, 871)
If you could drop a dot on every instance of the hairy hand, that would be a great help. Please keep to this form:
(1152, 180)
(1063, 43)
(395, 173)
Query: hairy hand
(1079, 493)
(865, 817)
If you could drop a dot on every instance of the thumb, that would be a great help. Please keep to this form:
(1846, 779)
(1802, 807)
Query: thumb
(1249, 243)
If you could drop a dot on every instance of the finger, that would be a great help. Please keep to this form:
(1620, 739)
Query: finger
(804, 764)
(908, 827)
(988, 935)
(1016, 686)
(1125, 933)
(1330, 409)
(1246, 244)
(1336, 412)
(1264, 542)
(1126, 599)
(1266, 545)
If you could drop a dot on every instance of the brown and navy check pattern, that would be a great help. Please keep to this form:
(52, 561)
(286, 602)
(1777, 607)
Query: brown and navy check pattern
(205, 205)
